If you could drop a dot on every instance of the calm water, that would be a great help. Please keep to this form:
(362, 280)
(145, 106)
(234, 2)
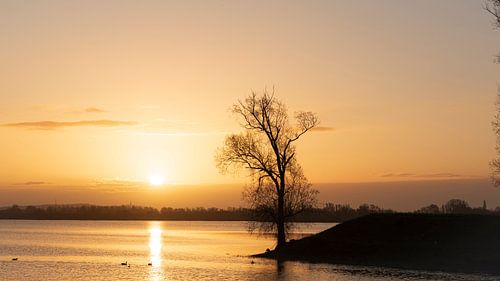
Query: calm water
(93, 250)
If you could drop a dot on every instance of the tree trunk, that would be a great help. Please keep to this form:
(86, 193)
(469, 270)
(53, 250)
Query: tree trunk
(281, 222)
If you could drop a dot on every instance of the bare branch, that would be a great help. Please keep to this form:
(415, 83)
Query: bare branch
(267, 151)
(493, 7)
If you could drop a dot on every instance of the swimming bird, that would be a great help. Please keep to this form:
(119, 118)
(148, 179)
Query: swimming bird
(14, 259)
(124, 263)
(150, 263)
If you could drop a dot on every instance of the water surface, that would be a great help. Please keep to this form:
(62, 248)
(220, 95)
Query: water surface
(177, 250)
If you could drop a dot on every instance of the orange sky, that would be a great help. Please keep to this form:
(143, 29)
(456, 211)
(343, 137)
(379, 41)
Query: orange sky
(99, 92)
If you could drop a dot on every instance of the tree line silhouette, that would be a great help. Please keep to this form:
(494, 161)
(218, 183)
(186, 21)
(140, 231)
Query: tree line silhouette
(330, 212)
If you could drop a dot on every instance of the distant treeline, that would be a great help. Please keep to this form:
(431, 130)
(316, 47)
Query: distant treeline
(458, 206)
(330, 212)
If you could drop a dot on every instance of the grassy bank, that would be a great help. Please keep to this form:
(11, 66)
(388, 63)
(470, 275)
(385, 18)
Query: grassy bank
(456, 243)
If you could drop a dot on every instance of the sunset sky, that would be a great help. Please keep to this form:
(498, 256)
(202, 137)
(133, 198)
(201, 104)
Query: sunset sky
(112, 96)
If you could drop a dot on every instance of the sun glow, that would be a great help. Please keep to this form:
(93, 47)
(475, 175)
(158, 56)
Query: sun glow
(155, 244)
(155, 251)
(156, 180)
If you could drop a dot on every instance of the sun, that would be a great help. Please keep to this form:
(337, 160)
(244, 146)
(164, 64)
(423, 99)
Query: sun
(156, 180)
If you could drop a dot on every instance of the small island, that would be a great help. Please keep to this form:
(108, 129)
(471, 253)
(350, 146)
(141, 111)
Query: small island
(444, 242)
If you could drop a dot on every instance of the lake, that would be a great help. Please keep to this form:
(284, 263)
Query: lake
(177, 250)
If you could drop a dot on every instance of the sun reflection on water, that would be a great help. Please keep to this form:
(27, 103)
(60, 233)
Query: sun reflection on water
(155, 247)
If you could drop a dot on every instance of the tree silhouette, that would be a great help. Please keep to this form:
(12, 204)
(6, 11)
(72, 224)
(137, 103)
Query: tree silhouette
(266, 148)
(495, 163)
(263, 200)
(493, 7)
(456, 206)
(431, 209)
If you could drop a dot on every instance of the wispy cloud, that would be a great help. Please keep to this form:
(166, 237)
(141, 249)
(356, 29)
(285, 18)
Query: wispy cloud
(322, 129)
(180, 134)
(433, 175)
(32, 183)
(89, 110)
(116, 185)
(441, 175)
(67, 109)
(173, 128)
(402, 175)
(93, 110)
(52, 125)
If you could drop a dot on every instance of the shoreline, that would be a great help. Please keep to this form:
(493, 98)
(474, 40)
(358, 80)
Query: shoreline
(193, 220)
(448, 243)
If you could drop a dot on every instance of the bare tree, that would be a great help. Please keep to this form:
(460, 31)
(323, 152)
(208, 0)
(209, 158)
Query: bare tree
(266, 148)
(495, 163)
(431, 209)
(262, 198)
(493, 7)
(456, 206)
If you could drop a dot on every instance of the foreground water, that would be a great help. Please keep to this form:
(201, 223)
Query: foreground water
(177, 250)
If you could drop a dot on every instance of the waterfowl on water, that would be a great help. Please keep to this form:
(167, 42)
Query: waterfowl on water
(14, 259)
(150, 264)
(124, 263)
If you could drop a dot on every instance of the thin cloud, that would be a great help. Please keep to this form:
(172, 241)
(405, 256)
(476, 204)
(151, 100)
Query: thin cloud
(322, 129)
(440, 175)
(94, 110)
(33, 183)
(434, 175)
(402, 175)
(179, 134)
(66, 109)
(172, 127)
(117, 182)
(89, 110)
(52, 125)
(116, 185)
